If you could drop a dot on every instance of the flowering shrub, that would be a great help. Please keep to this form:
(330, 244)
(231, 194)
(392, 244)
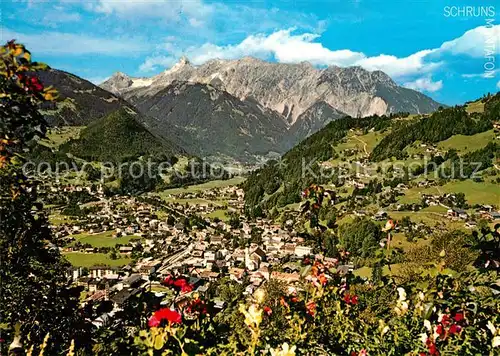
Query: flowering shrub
(446, 314)
(329, 312)
(179, 284)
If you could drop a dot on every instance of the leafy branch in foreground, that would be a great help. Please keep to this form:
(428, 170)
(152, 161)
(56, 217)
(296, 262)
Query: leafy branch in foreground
(35, 291)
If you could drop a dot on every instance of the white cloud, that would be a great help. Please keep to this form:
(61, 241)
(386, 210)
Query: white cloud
(151, 63)
(282, 45)
(424, 84)
(498, 84)
(168, 10)
(60, 43)
(475, 42)
(195, 22)
(57, 16)
(400, 67)
(481, 75)
(286, 47)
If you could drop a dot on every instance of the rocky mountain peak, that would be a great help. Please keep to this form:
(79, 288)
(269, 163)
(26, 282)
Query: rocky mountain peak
(117, 83)
(181, 64)
(382, 77)
(291, 89)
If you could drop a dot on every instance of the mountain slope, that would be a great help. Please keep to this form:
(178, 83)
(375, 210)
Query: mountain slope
(210, 122)
(289, 89)
(338, 154)
(117, 137)
(311, 121)
(80, 102)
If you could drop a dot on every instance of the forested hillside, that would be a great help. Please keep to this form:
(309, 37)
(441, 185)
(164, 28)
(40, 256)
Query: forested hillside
(400, 138)
(118, 137)
(438, 127)
(309, 153)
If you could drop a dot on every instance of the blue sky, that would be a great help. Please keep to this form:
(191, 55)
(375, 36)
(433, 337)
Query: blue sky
(434, 46)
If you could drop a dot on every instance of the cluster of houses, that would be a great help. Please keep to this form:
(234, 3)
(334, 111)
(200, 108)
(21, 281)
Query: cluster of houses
(485, 212)
(203, 255)
(252, 253)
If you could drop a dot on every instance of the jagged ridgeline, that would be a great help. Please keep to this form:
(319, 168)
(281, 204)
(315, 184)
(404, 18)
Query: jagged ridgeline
(280, 183)
(119, 137)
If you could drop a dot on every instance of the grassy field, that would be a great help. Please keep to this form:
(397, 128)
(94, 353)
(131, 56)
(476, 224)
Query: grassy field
(475, 193)
(104, 239)
(58, 136)
(80, 259)
(414, 195)
(220, 214)
(476, 106)
(359, 142)
(366, 272)
(464, 144)
(429, 218)
(204, 186)
(57, 219)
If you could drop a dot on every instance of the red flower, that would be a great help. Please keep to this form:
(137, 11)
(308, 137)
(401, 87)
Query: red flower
(422, 354)
(31, 83)
(311, 308)
(458, 317)
(433, 350)
(445, 319)
(164, 314)
(322, 279)
(440, 330)
(431, 346)
(196, 306)
(186, 288)
(283, 302)
(179, 284)
(351, 299)
(268, 310)
(168, 281)
(454, 329)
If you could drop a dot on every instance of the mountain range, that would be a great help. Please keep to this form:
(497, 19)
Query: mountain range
(241, 110)
(289, 89)
(209, 122)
